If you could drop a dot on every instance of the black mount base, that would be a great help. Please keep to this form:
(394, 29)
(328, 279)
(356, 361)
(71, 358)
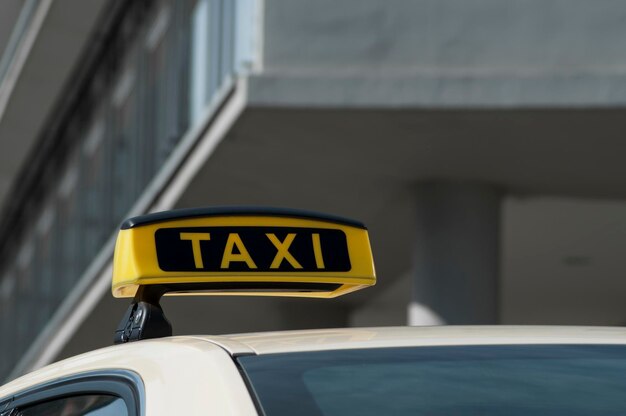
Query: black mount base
(144, 318)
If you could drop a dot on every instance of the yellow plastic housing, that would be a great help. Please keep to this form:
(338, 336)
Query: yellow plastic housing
(185, 255)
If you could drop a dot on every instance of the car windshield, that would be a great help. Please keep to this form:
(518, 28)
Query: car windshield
(511, 380)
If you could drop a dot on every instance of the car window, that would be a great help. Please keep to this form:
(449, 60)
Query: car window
(504, 380)
(79, 405)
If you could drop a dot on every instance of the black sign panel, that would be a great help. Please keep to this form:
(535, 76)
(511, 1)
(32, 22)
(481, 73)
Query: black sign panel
(252, 249)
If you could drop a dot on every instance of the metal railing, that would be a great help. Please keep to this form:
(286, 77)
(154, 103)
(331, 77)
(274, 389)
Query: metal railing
(164, 67)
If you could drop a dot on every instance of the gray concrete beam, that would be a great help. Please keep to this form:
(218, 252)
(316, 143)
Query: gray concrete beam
(442, 53)
(484, 37)
(439, 90)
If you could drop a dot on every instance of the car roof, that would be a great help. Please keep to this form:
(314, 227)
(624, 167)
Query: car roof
(384, 337)
(183, 350)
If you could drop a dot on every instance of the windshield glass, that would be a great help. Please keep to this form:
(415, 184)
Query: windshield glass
(511, 380)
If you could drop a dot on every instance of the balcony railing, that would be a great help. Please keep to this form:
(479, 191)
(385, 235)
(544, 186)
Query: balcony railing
(157, 78)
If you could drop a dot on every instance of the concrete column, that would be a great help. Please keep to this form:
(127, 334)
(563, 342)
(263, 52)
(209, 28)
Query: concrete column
(456, 254)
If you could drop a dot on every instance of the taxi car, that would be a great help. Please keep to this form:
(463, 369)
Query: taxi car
(475, 370)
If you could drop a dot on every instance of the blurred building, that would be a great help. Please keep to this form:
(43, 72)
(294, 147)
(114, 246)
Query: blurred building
(481, 141)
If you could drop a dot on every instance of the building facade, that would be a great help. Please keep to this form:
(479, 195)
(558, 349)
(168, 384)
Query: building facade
(481, 142)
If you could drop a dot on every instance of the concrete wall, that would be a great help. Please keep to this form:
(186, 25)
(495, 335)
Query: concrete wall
(488, 36)
(433, 53)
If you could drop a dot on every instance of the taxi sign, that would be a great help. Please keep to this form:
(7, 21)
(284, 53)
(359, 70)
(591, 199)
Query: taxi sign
(242, 251)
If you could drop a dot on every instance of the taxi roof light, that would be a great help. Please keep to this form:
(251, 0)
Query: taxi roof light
(234, 251)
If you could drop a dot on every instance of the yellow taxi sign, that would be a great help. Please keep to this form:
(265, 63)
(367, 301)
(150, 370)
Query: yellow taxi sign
(242, 251)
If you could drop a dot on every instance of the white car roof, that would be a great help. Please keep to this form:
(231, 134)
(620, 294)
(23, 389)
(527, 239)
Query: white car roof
(173, 356)
(384, 337)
